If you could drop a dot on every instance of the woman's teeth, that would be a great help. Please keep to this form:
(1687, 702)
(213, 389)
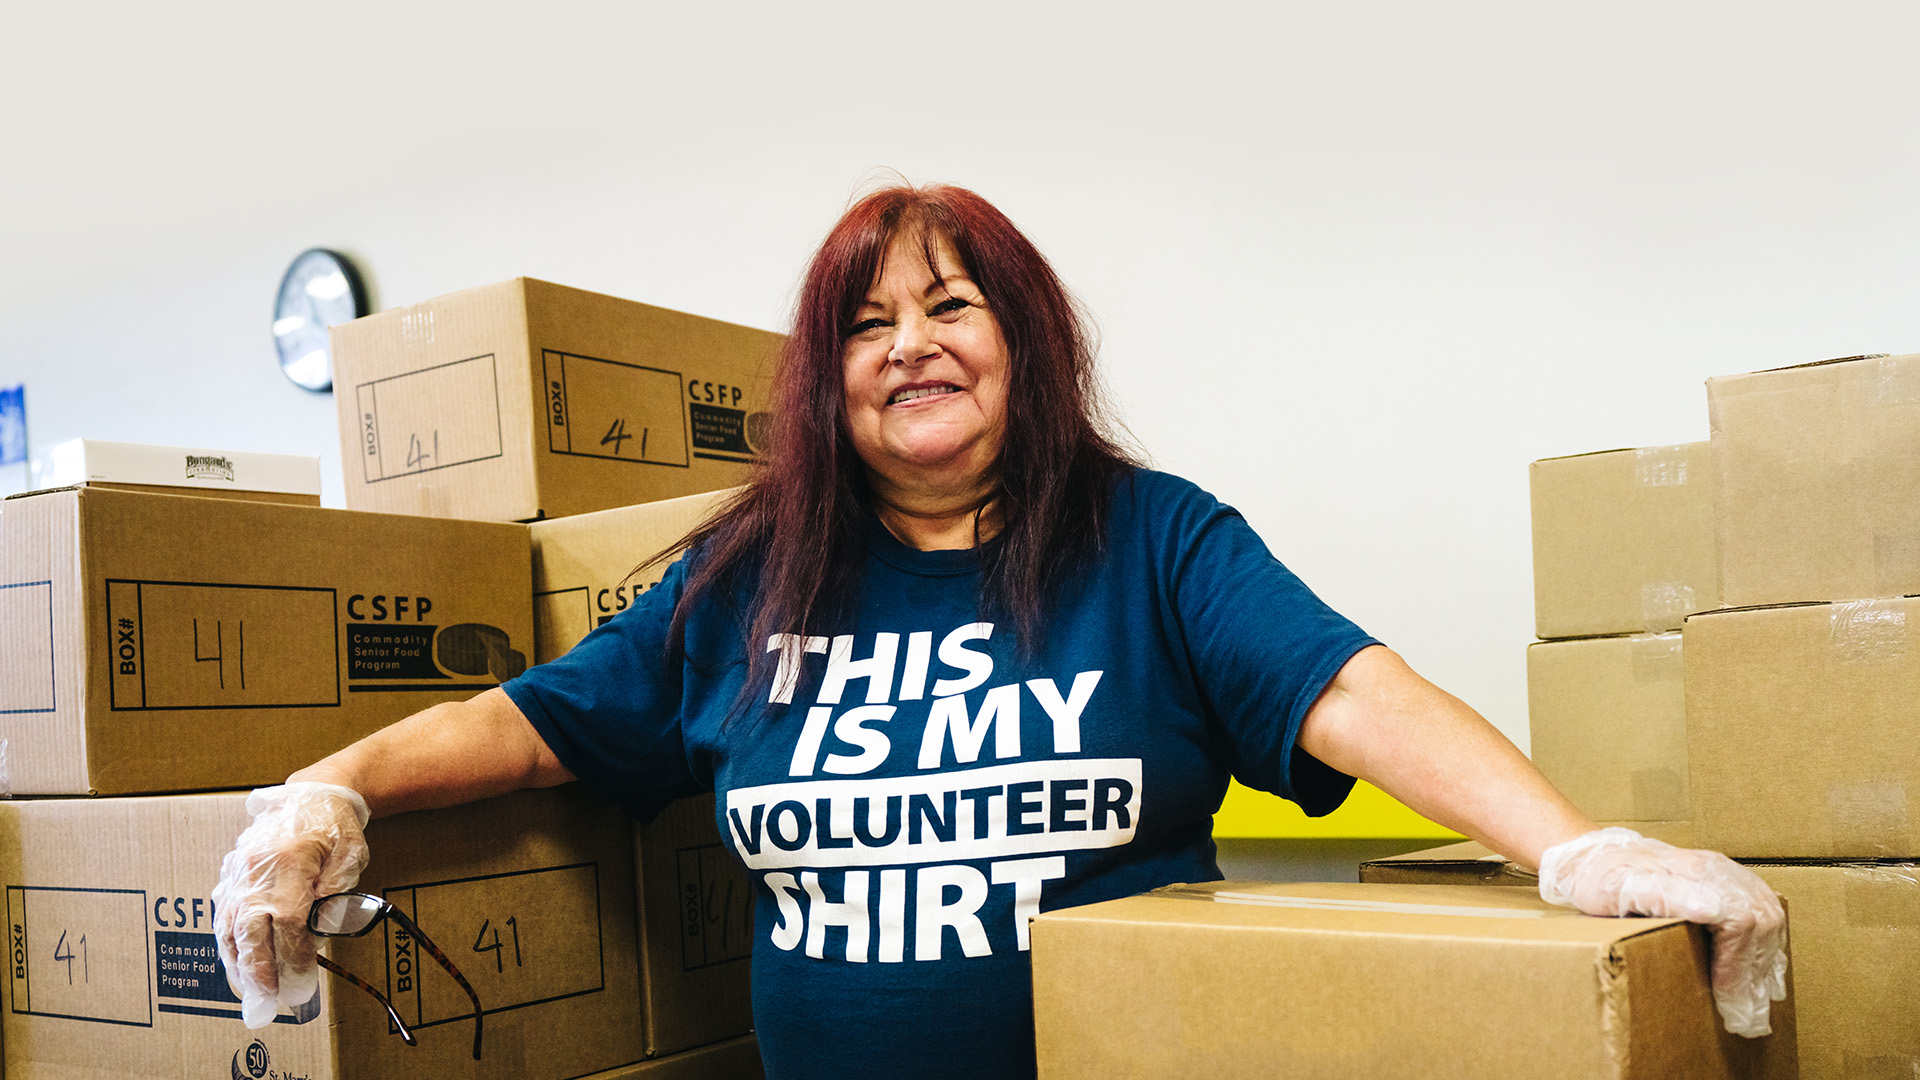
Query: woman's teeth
(925, 391)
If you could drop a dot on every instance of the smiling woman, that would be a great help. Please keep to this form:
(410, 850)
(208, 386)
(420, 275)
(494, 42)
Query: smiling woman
(952, 659)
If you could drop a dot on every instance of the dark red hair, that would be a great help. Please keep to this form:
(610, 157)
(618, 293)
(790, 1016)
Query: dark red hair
(797, 532)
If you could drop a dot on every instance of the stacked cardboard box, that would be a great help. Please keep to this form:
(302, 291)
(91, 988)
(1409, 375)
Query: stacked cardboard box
(157, 643)
(1623, 551)
(1797, 753)
(698, 938)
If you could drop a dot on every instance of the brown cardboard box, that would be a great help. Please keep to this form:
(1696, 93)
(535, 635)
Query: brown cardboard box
(1800, 734)
(164, 643)
(696, 903)
(583, 566)
(525, 400)
(1609, 724)
(735, 1059)
(1817, 480)
(1324, 981)
(114, 972)
(696, 930)
(1623, 541)
(1856, 943)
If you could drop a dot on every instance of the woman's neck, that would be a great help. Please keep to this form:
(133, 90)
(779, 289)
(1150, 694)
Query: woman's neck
(939, 521)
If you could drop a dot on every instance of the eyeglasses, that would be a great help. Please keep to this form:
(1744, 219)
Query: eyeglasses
(352, 915)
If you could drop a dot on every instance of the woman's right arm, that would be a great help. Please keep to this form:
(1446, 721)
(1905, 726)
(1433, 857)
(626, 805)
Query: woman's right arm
(453, 753)
(307, 838)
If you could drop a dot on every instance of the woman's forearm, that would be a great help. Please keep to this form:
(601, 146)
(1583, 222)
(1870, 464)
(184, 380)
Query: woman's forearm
(1380, 721)
(449, 754)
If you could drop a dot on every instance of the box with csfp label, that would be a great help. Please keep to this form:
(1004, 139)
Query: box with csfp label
(158, 643)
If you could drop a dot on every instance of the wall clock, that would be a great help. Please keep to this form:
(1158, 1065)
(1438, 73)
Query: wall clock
(319, 289)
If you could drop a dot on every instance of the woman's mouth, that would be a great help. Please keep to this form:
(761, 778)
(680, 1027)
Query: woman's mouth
(918, 392)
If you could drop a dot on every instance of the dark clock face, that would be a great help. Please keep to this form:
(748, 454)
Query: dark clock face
(320, 289)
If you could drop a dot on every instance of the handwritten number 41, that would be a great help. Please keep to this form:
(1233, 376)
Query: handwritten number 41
(61, 952)
(480, 943)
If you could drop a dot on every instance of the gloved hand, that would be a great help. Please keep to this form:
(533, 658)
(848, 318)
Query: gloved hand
(1619, 872)
(307, 840)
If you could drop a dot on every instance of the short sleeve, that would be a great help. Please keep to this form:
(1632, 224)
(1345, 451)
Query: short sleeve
(610, 709)
(1262, 647)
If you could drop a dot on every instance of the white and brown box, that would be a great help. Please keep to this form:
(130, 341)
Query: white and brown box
(114, 971)
(1609, 724)
(1623, 540)
(1800, 729)
(180, 470)
(525, 400)
(1331, 981)
(1817, 480)
(1856, 940)
(154, 643)
(696, 903)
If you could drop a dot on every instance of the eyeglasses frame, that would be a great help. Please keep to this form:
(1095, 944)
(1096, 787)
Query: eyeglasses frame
(386, 909)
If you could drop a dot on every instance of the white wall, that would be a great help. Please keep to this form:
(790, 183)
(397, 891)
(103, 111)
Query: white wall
(1355, 265)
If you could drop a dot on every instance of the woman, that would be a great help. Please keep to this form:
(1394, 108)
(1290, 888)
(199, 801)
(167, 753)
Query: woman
(951, 659)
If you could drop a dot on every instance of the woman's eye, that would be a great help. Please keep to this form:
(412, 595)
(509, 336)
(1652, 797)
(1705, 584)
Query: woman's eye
(865, 325)
(949, 305)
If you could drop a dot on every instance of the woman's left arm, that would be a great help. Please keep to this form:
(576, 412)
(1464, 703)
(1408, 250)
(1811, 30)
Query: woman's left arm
(1381, 722)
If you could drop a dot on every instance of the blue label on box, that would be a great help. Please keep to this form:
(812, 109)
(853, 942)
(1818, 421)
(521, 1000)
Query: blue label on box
(190, 968)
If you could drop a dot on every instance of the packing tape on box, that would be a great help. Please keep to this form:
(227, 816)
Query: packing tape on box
(1868, 817)
(1660, 466)
(1868, 632)
(1322, 903)
(6, 771)
(1656, 659)
(1896, 380)
(1665, 604)
(1883, 897)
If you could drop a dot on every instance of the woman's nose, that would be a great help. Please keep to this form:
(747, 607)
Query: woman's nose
(912, 343)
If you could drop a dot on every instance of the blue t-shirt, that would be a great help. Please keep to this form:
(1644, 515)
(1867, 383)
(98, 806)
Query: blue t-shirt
(911, 788)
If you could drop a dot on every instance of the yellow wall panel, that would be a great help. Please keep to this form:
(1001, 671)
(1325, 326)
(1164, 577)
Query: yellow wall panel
(1367, 813)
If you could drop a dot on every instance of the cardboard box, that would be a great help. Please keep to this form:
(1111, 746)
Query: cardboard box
(696, 901)
(181, 470)
(1801, 739)
(735, 1059)
(114, 970)
(1609, 724)
(525, 400)
(584, 567)
(1856, 943)
(1623, 541)
(161, 643)
(696, 930)
(1817, 480)
(1314, 981)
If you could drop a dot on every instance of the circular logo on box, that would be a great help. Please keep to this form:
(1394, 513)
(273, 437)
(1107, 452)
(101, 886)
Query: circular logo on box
(256, 1065)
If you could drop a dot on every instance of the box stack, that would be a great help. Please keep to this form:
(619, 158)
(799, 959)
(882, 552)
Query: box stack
(1802, 758)
(162, 650)
(1623, 550)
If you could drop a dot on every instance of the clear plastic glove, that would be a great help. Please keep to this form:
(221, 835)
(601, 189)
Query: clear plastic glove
(1619, 872)
(307, 840)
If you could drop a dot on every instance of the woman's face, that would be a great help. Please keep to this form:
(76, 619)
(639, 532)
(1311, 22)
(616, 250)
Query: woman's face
(926, 374)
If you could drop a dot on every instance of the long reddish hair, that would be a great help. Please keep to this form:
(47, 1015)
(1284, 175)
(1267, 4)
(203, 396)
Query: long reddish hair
(797, 533)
